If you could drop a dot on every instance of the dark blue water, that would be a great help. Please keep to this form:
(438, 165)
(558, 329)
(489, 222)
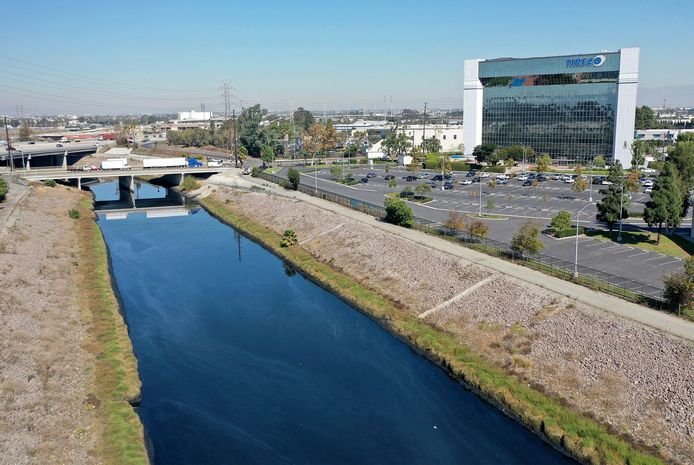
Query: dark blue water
(244, 362)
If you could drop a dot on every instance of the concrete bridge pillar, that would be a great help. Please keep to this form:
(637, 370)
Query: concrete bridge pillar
(127, 182)
(79, 183)
(65, 160)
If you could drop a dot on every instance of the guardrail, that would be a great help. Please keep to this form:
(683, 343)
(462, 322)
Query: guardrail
(628, 289)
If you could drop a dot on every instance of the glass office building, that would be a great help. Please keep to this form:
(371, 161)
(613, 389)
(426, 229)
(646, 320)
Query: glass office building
(572, 107)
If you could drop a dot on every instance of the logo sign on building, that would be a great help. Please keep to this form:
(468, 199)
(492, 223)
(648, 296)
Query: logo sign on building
(597, 60)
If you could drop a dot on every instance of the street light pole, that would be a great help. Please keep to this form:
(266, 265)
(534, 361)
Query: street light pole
(480, 181)
(590, 192)
(621, 208)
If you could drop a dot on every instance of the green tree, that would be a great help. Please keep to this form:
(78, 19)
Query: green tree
(267, 154)
(613, 196)
(303, 118)
(444, 164)
(329, 137)
(392, 184)
(561, 221)
(242, 154)
(490, 205)
(278, 134)
(398, 213)
(294, 178)
(599, 161)
(645, 118)
(4, 187)
(431, 145)
(336, 171)
(422, 189)
(639, 151)
(396, 144)
(543, 163)
(581, 182)
(250, 134)
(665, 206)
(289, 239)
(527, 238)
(417, 158)
(516, 152)
(682, 155)
(679, 287)
(486, 153)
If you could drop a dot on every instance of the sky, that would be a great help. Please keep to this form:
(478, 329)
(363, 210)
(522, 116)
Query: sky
(154, 57)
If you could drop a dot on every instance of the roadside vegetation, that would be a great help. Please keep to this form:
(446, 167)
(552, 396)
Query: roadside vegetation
(4, 188)
(115, 377)
(190, 183)
(398, 213)
(674, 245)
(583, 437)
(679, 289)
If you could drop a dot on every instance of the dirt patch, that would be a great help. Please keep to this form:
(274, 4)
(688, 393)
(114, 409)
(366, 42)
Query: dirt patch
(44, 369)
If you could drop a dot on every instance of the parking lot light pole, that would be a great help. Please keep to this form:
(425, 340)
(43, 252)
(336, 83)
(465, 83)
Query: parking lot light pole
(578, 215)
(621, 208)
(479, 178)
(590, 191)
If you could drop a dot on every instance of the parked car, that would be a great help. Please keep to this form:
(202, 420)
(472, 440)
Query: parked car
(410, 178)
(648, 171)
(423, 175)
(527, 183)
(598, 179)
(542, 178)
(647, 190)
(246, 171)
(555, 177)
(522, 177)
(466, 182)
(438, 177)
(448, 186)
(470, 174)
(647, 183)
(364, 180)
(484, 175)
(432, 184)
(388, 177)
(605, 182)
(31, 142)
(406, 194)
(370, 174)
(58, 145)
(502, 181)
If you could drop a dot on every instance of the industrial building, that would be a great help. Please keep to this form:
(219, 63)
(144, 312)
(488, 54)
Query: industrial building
(573, 107)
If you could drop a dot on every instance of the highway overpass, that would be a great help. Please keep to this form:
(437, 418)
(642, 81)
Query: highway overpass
(47, 154)
(173, 176)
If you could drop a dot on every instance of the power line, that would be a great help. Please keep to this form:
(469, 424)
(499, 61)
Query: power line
(106, 81)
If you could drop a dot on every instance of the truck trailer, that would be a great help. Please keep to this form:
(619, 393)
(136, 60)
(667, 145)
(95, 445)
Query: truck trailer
(178, 162)
(115, 164)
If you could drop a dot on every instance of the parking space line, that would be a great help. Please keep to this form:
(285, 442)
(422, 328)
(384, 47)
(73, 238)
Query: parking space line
(654, 258)
(638, 254)
(668, 263)
(598, 242)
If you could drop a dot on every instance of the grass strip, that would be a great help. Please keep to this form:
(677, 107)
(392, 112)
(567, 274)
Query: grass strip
(579, 435)
(674, 245)
(115, 380)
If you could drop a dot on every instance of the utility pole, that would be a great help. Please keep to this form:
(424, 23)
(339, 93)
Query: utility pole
(9, 152)
(236, 153)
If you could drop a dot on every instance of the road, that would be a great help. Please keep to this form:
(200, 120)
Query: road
(517, 204)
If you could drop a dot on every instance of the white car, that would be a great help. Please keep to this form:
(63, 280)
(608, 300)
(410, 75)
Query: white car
(500, 177)
(605, 182)
(647, 183)
(466, 182)
(569, 180)
(214, 164)
(648, 171)
(522, 177)
(483, 175)
(648, 190)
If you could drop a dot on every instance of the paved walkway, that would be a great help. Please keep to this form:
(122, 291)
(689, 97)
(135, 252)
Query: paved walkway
(600, 301)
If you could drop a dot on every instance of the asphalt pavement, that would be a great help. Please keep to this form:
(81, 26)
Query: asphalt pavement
(515, 204)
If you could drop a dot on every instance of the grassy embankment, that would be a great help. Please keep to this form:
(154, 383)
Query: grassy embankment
(115, 380)
(583, 437)
(673, 245)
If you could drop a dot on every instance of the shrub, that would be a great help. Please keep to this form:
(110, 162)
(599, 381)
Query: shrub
(478, 228)
(679, 287)
(560, 233)
(562, 221)
(398, 213)
(49, 183)
(190, 183)
(285, 184)
(294, 178)
(289, 238)
(527, 238)
(4, 187)
(74, 213)
(255, 172)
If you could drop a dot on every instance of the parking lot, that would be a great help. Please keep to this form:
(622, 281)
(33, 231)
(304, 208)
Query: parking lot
(514, 203)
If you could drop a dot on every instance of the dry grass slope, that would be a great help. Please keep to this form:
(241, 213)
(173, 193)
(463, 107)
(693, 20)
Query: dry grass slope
(584, 437)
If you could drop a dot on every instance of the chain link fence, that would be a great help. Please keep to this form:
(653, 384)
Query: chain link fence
(595, 279)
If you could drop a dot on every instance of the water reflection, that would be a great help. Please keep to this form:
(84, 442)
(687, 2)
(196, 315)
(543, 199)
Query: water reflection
(112, 201)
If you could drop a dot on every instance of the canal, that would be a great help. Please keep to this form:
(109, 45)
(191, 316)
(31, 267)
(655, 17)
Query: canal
(244, 361)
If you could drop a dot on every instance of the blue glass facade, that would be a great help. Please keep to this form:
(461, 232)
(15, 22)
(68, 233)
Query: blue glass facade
(564, 106)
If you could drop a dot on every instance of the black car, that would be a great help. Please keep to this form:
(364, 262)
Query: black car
(438, 177)
(448, 186)
(411, 178)
(370, 174)
(598, 179)
(542, 178)
(432, 184)
(364, 180)
(388, 177)
(528, 183)
(406, 194)
(470, 174)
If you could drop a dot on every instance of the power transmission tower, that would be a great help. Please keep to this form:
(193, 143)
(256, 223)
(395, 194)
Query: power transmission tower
(231, 125)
